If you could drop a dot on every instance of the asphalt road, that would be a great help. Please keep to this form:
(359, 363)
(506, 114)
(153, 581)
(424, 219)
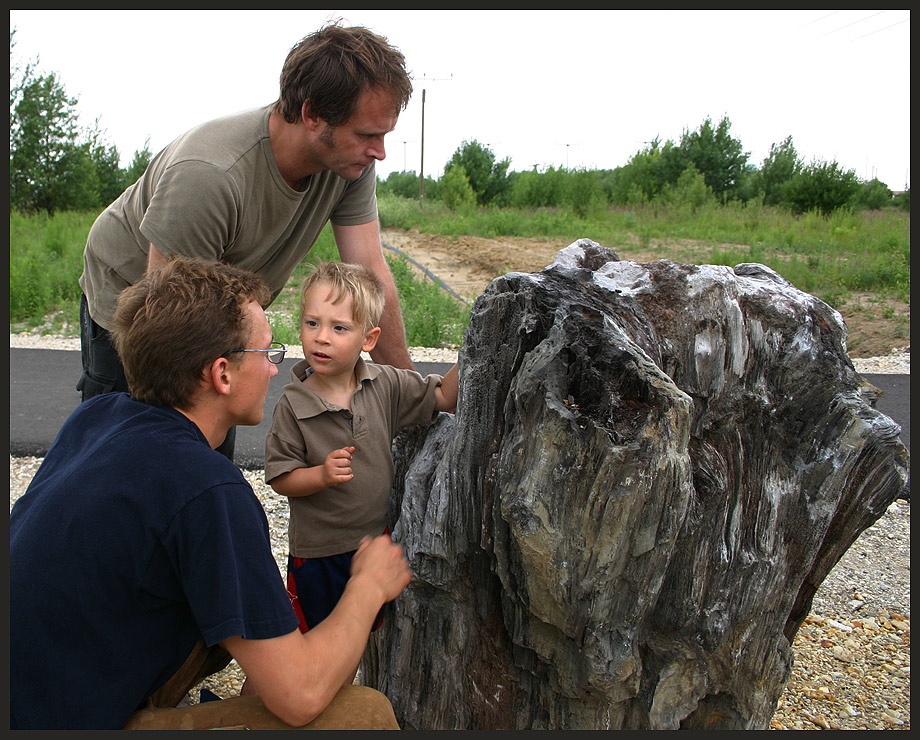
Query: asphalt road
(43, 394)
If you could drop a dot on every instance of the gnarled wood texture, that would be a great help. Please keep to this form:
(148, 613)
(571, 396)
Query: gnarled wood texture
(652, 468)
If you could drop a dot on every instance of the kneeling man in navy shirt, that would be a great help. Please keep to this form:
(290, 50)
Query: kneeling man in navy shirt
(140, 558)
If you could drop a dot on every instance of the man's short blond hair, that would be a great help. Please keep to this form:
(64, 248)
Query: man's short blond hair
(358, 282)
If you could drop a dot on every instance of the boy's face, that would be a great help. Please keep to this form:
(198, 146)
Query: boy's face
(332, 340)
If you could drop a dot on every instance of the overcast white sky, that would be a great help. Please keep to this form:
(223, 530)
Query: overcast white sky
(565, 88)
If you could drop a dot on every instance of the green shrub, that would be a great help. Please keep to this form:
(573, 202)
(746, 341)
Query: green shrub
(534, 189)
(46, 261)
(431, 316)
(690, 192)
(873, 195)
(822, 187)
(584, 193)
(403, 184)
(487, 177)
(456, 192)
(285, 327)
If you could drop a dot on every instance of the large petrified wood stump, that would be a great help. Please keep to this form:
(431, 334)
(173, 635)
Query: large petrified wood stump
(652, 468)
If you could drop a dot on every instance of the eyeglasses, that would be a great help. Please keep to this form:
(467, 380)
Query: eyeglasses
(275, 353)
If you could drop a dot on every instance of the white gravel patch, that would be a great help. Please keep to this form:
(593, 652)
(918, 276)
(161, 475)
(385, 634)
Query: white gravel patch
(897, 363)
(29, 340)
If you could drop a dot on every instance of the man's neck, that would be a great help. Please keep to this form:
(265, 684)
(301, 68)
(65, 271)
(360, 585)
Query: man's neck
(213, 428)
(290, 151)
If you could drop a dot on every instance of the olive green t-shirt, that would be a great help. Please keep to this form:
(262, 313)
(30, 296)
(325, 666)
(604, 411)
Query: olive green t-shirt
(216, 193)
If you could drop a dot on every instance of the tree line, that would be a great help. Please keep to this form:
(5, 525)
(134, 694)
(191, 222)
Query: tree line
(707, 165)
(56, 164)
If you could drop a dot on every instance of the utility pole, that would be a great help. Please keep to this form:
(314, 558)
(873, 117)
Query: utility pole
(404, 142)
(567, 144)
(421, 175)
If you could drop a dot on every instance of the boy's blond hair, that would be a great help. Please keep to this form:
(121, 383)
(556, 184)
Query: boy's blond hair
(346, 280)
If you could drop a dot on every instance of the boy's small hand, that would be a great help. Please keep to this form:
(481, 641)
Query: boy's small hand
(337, 467)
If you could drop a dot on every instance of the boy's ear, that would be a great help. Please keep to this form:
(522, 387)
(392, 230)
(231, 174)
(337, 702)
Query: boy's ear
(370, 340)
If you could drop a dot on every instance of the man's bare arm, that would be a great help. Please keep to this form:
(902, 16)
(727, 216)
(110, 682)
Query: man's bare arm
(296, 675)
(155, 259)
(361, 245)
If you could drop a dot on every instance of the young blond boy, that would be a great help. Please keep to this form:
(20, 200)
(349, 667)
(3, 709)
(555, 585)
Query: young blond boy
(329, 446)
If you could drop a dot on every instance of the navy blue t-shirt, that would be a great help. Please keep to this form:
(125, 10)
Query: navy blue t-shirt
(133, 539)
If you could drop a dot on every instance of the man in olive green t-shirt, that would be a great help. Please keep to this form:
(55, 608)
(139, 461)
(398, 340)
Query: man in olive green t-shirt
(255, 189)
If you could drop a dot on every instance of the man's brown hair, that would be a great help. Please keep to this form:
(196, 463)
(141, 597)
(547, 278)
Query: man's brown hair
(332, 68)
(172, 324)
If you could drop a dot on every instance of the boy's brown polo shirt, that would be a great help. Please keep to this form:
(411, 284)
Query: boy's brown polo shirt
(305, 429)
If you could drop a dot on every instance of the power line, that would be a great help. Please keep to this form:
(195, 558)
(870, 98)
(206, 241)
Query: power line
(816, 20)
(861, 20)
(881, 29)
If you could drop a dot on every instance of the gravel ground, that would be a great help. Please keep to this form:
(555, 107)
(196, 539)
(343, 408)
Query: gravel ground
(852, 654)
(896, 363)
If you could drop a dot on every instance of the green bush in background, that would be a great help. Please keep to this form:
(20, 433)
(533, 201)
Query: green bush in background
(46, 260)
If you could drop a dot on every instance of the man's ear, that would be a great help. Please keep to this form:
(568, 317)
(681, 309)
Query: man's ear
(312, 122)
(370, 340)
(218, 375)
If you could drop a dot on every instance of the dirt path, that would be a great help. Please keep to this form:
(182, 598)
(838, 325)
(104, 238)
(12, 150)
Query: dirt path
(468, 264)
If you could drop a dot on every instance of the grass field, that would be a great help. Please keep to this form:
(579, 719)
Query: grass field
(857, 262)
